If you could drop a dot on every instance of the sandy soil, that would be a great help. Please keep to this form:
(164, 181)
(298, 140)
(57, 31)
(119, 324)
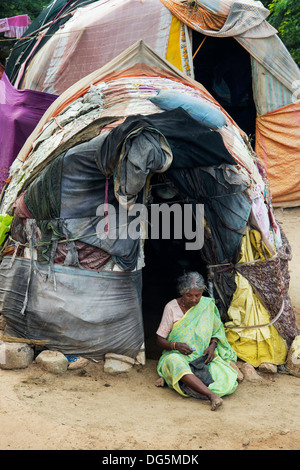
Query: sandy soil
(90, 410)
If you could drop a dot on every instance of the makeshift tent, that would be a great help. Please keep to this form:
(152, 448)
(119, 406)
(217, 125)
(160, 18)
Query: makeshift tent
(226, 45)
(70, 277)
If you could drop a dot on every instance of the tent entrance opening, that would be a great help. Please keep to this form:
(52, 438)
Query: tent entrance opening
(223, 67)
(165, 261)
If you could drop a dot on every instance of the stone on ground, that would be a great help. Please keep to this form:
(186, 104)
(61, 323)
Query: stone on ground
(268, 368)
(53, 361)
(249, 372)
(15, 355)
(117, 363)
(293, 359)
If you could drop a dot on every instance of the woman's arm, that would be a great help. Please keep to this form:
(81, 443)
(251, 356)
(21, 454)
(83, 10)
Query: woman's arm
(163, 343)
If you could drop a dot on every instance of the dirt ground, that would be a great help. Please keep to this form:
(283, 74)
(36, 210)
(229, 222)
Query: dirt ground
(87, 409)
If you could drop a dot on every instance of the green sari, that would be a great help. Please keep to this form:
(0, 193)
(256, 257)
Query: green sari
(196, 328)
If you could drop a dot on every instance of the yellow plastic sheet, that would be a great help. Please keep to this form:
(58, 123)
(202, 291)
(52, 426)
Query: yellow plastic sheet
(253, 345)
(173, 51)
(178, 47)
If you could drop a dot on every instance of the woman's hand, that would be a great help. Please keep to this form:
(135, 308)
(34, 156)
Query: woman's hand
(210, 352)
(183, 348)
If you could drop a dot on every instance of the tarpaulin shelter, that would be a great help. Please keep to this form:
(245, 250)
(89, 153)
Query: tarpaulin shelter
(226, 45)
(112, 138)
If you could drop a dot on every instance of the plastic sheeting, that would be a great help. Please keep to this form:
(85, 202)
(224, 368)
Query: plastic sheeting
(253, 345)
(122, 88)
(64, 51)
(125, 86)
(245, 18)
(275, 79)
(278, 143)
(85, 42)
(73, 188)
(76, 311)
(50, 20)
(20, 111)
(227, 207)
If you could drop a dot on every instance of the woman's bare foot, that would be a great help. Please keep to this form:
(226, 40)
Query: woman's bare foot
(160, 382)
(216, 402)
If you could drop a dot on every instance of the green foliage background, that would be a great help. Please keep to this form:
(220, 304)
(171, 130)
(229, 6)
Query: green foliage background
(32, 8)
(9, 8)
(285, 17)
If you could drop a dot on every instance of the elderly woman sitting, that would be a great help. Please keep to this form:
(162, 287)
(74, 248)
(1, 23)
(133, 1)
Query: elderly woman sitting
(196, 357)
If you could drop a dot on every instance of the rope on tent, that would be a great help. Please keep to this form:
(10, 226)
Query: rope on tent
(106, 229)
(31, 237)
(31, 342)
(259, 326)
(199, 47)
(57, 123)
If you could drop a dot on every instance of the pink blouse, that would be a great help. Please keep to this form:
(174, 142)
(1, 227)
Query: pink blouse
(172, 313)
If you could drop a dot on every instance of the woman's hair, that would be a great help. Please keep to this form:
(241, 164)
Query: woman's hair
(190, 280)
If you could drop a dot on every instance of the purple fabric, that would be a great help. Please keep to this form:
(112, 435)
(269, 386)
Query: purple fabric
(20, 112)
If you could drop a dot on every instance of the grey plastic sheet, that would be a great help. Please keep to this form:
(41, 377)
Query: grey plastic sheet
(76, 311)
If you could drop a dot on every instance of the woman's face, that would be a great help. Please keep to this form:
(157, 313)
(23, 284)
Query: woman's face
(192, 297)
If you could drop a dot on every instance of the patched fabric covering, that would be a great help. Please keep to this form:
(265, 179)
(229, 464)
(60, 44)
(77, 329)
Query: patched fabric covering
(75, 311)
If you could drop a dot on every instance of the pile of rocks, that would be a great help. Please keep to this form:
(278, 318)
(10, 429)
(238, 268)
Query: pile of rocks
(247, 372)
(20, 354)
(14, 355)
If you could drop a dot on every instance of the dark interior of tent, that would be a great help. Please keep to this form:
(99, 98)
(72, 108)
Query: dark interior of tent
(223, 66)
(165, 261)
